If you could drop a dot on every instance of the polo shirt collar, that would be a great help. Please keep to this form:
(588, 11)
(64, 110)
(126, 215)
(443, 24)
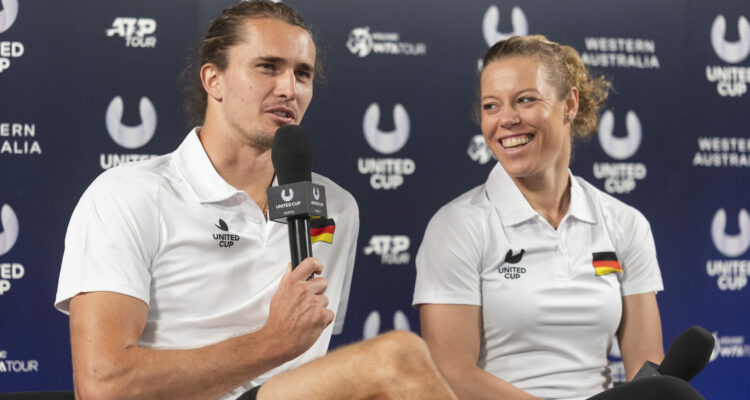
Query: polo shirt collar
(513, 208)
(199, 173)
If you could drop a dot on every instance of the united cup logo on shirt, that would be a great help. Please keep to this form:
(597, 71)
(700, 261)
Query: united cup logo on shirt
(137, 32)
(620, 177)
(731, 80)
(392, 249)
(9, 271)
(386, 173)
(732, 273)
(129, 137)
(8, 49)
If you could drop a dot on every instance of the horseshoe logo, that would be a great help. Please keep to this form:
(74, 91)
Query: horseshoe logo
(8, 13)
(731, 52)
(386, 142)
(10, 229)
(287, 197)
(131, 137)
(731, 245)
(316, 193)
(372, 324)
(491, 21)
(620, 148)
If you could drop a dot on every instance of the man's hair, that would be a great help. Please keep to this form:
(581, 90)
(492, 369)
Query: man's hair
(565, 69)
(225, 31)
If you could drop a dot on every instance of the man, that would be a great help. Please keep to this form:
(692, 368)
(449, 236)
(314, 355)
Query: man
(174, 279)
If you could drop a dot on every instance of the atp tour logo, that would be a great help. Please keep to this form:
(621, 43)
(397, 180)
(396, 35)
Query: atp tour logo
(386, 173)
(17, 366)
(730, 80)
(620, 177)
(8, 49)
(362, 43)
(392, 249)
(478, 150)
(135, 31)
(491, 21)
(620, 52)
(129, 137)
(729, 347)
(8, 236)
(18, 138)
(730, 274)
(372, 326)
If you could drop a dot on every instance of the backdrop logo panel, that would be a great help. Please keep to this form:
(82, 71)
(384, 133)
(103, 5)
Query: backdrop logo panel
(732, 152)
(16, 366)
(620, 177)
(731, 274)
(729, 347)
(9, 271)
(129, 137)
(362, 42)
(478, 150)
(620, 52)
(372, 325)
(386, 173)
(8, 49)
(491, 21)
(19, 138)
(8, 13)
(392, 249)
(730, 80)
(137, 32)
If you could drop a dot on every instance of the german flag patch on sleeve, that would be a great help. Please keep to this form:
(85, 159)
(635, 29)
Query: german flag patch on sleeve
(606, 262)
(321, 230)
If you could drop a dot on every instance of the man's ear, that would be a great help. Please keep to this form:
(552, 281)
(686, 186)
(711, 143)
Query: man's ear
(211, 79)
(571, 103)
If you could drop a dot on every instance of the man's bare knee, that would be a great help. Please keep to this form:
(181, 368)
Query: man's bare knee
(401, 353)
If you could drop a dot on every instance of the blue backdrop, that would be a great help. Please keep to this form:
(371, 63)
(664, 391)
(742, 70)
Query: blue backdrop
(673, 142)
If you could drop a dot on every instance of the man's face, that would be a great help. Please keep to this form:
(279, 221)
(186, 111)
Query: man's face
(268, 81)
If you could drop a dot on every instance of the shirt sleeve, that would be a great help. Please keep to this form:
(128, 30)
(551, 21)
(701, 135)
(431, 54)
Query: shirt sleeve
(635, 245)
(110, 241)
(353, 215)
(449, 259)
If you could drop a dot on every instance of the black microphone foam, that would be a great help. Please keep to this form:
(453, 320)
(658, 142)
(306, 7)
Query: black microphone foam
(291, 155)
(688, 354)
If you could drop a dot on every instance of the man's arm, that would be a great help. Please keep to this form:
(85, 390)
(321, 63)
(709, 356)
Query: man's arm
(452, 333)
(108, 363)
(639, 334)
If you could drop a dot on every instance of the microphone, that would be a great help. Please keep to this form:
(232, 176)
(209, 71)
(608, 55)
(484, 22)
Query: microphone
(296, 198)
(688, 354)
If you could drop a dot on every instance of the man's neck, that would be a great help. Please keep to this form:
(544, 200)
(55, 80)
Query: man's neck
(243, 166)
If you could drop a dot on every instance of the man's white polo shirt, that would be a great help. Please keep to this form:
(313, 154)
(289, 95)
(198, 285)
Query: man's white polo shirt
(172, 233)
(548, 318)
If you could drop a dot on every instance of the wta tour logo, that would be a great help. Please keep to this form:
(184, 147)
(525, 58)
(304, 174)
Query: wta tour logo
(620, 177)
(129, 137)
(372, 324)
(362, 43)
(478, 150)
(730, 80)
(386, 173)
(731, 274)
(8, 236)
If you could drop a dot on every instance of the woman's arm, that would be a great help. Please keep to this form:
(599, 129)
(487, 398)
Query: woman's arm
(639, 333)
(452, 333)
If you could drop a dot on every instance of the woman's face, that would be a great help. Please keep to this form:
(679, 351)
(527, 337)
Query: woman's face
(523, 121)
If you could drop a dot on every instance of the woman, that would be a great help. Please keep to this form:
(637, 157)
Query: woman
(522, 282)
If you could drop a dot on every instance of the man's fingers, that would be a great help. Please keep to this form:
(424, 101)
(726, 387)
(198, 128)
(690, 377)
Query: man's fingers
(307, 267)
(317, 285)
